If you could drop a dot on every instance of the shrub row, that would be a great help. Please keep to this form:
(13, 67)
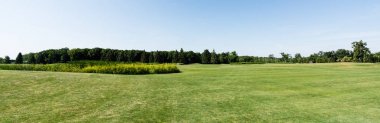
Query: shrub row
(113, 68)
(132, 69)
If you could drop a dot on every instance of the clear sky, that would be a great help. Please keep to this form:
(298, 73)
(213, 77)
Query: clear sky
(250, 27)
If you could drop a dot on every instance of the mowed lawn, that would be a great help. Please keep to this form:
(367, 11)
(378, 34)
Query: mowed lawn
(341, 92)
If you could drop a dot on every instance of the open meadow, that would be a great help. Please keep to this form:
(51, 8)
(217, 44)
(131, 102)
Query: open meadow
(339, 92)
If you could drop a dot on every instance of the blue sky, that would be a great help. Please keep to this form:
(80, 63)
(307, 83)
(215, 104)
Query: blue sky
(250, 27)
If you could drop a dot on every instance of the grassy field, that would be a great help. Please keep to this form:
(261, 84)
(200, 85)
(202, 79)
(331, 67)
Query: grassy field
(201, 93)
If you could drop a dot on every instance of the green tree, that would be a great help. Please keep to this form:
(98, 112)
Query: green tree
(181, 56)
(19, 59)
(65, 57)
(51, 58)
(298, 58)
(108, 55)
(376, 57)
(121, 56)
(156, 57)
(1, 60)
(272, 59)
(76, 54)
(214, 58)
(7, 60)
(190, 57)
(223, 58)
(31, 59)
(130, 55)
(346, 59)
(341, 53)
(285, 57)
(144, 57)
(151, 57)
(361, 52)
(40, 58)
(206, 57)
(94, 53)
(175, 56)
(233, 57)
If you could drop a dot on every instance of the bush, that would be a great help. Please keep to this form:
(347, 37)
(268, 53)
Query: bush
(346, 59)
(132, 69)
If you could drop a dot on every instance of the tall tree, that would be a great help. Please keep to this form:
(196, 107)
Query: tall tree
(206, 57)
(285, 57)
(298, 58)
(31, 59)
(361, 52)
(233, 57)
(223, 58)
(76, 54)
(120, 57)
(94, 53)
(65, 57)
(214, 57)
(19, 59)
(272, 59)
(130, 55)
(174, 56)
(108, 55)
(341, 53)
(376, 57)
(40, 58)
(151, 57)
(330, 56)
(7, 60)
(51, 58)
(181, 56)
(156, 57)
(190, 57)
(144, 57)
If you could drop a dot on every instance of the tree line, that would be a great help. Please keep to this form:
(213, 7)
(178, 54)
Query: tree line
(65, 55)
(359, 53)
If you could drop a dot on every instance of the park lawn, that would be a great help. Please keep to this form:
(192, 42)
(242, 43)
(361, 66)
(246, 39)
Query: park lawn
(339, 92)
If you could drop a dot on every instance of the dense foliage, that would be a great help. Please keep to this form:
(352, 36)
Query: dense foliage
(19, 59)
(96, 67)
(7, 60)
(65, 55)
(360, 53)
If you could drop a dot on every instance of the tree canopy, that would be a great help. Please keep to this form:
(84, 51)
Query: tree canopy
(7, 60)
(19, 59)
(360, 53)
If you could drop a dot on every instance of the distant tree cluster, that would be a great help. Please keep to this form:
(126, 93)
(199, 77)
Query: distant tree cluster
(360, 53)
(5, 60)
(186, 57)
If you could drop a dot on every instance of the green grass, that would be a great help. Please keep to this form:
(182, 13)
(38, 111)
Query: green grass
(347, 93)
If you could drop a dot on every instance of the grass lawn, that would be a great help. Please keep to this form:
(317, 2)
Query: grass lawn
(201, 93)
